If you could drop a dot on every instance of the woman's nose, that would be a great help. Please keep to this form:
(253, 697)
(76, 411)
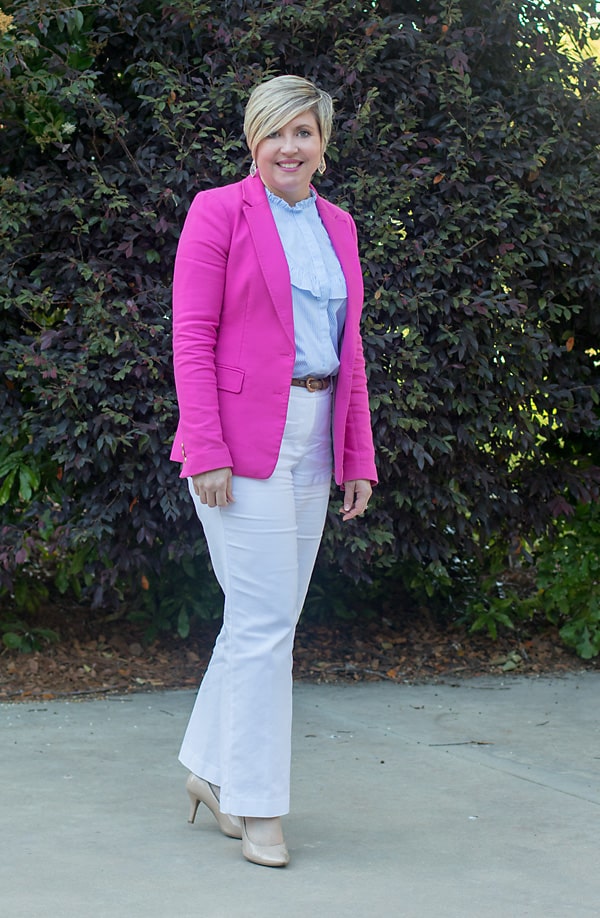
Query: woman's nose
(288, 143)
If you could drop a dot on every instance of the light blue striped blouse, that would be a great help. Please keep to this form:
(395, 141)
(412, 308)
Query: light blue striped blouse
(319, 293)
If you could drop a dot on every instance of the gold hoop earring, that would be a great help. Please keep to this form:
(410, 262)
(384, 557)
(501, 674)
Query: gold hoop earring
(322, 166)
(253, 168)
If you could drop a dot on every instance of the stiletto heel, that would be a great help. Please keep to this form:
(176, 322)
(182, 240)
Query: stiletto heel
(265, 855)
(200, 791)
(194, 804)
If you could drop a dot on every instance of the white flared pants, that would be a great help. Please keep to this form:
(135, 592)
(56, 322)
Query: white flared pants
(263, 548)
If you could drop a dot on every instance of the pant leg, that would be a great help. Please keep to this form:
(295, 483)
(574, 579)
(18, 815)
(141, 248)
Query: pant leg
(263, 549)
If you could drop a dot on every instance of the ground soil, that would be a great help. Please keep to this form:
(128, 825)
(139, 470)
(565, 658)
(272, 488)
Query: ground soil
(96, 656)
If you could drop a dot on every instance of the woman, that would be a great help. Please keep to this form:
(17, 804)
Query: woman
(267, 298)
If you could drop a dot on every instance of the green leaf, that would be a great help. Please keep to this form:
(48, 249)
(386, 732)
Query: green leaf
(6, 487)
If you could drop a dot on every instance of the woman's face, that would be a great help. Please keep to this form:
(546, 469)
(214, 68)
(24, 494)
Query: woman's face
(288, 158)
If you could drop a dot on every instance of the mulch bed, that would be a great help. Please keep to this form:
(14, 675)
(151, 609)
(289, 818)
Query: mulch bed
(97, 657)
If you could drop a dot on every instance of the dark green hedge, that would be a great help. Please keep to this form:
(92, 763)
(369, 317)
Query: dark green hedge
(466, 148)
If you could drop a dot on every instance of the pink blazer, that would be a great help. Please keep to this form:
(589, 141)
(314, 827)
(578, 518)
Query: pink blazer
(233, 339)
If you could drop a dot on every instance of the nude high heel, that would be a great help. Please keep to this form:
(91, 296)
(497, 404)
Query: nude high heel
(265, 855)
(200, 791)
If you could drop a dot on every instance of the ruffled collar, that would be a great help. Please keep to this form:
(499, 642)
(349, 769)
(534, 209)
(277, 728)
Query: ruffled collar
(304, 204)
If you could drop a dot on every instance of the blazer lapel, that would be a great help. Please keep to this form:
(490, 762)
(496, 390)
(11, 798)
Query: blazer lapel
(339, 231)
(269, 251)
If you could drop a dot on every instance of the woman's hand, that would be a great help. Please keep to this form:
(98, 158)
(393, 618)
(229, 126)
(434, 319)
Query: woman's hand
(214, 487)
(356, 498)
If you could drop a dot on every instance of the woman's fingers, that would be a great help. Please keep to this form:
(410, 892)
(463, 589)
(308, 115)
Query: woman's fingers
(356, 498)
(214, 488)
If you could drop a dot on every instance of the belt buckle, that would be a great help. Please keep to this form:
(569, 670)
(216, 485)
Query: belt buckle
(313, 384)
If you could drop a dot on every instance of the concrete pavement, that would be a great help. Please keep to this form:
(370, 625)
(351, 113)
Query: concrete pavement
(476, 799)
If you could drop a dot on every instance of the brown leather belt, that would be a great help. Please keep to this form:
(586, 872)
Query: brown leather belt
(313, 383)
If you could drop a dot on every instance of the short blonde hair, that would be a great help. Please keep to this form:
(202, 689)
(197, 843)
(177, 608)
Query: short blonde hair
(274, 103)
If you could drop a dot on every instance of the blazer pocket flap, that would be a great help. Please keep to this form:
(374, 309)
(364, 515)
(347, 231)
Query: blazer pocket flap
(229, 378)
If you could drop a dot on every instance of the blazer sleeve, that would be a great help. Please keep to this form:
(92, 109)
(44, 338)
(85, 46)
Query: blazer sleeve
(198, 289)
(359, 451)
